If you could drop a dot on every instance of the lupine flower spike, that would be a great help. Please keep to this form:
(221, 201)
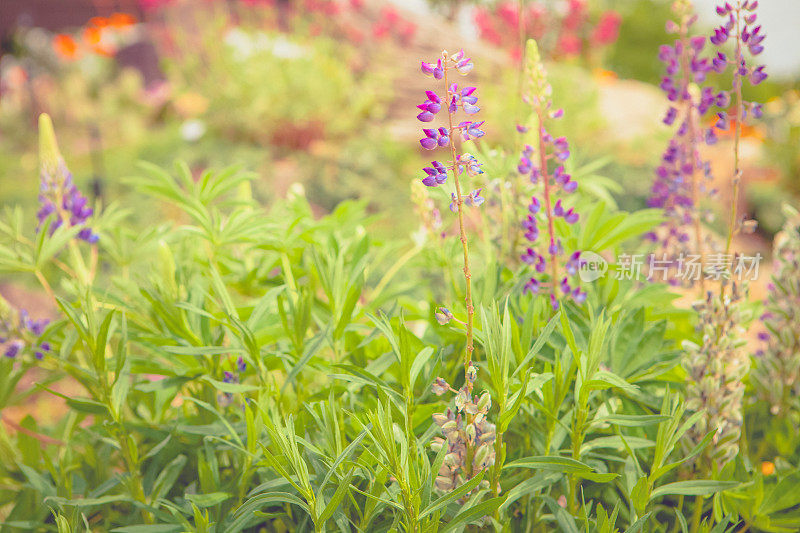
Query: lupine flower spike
(682, 177)
(469, 436)
(546, 169)
(452, 101)
(58, 196)
(741, 25)
(717, 368)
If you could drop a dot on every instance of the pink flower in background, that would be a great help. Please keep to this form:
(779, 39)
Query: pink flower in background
(607, 29)
(151, 5)
(569, 44)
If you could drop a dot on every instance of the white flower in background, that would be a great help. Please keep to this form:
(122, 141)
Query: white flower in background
(241, 42)
(285, 49)
(192, 130)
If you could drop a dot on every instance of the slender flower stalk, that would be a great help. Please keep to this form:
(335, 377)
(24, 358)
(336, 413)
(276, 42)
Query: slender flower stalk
(554, 180)
(469, 436)
(741, 25)
(463, 163)
(718, 367)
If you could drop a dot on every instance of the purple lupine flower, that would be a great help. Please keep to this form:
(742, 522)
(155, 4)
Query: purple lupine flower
(436, 174)
(531, 286)
(552, 192)
(58, 195)
(683, 173)
(464, 99)
(18, 332)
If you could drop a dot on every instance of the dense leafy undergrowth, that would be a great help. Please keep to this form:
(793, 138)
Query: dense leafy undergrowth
(247, 367)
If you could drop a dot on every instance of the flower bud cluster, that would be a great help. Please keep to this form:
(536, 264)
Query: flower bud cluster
(58, 195)
(777, 370)
(466, 433)
(716, 372)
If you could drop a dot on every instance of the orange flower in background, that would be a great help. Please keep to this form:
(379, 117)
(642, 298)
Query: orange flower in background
(96, 39)
(99, 22)
(121, 21)
(65, 47)
(767, 468)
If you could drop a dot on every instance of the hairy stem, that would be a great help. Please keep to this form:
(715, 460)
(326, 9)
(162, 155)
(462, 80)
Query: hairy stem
(737, 171)
(463, 234)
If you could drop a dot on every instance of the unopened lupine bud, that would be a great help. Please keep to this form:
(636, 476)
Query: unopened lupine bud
(481, 454)
(439, 419)
(440, 386)
(485, 402)
(471, 433)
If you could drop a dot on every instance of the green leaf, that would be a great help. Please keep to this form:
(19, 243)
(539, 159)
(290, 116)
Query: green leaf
(544, 335)
(785, 494)
(341, 490)
(565, 465)
(694, 487)
(606, 380)
(631, 420)
(419, 362)
(246, 512)
(207, 500)
(149, 528)
(167, 478)
(473, 513)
